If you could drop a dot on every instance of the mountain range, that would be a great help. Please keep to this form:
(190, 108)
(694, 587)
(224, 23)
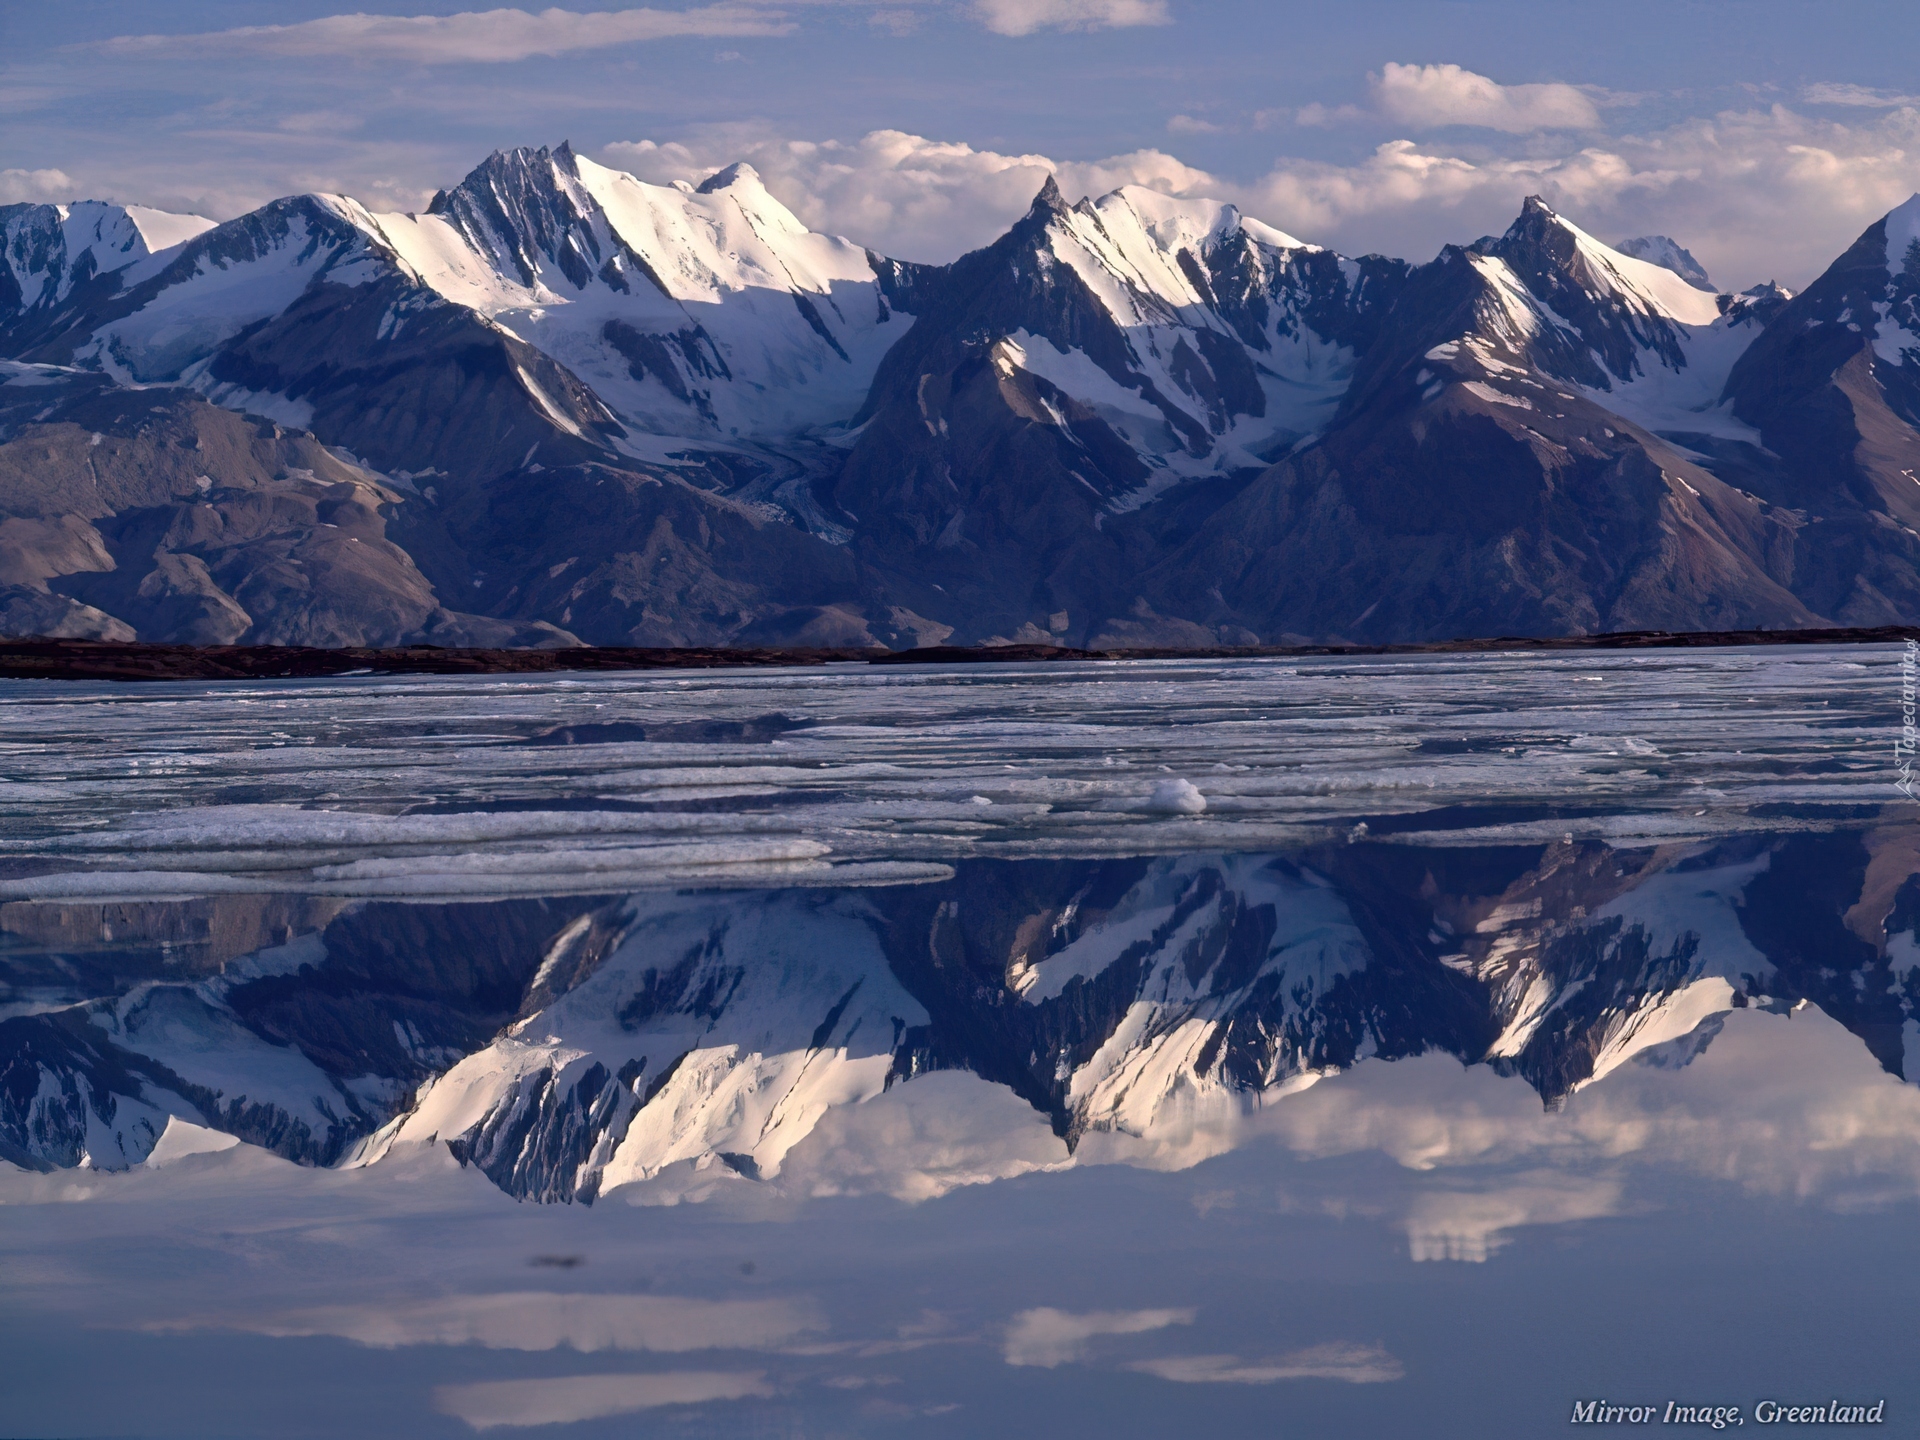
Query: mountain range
(563, 406)
(1140, 1007)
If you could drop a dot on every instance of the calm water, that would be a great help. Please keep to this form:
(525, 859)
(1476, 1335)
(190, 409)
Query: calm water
(1310, 1048)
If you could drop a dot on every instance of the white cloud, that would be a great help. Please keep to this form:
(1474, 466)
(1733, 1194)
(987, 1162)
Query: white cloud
(1320, 117)
(1023, 17)
(533, 1320)
(493, 1403)
(472, 37)
(1048, 1337)
(1856, 95)
(919, 1141)
(1433, 95)
(35, 185)
(1191, 125)
(1355, 1364)
(1791, 1106)
(1470, 1225)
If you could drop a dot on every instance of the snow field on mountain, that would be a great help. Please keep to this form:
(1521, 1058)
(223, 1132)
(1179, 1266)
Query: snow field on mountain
(1652, 289)
(222, 295)
(1688, 400)
(1892, 341)
(176, 1026)
(45, 259)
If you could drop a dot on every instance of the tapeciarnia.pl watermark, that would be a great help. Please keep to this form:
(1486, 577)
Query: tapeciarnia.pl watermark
(1723, 1417)
(1903, 748)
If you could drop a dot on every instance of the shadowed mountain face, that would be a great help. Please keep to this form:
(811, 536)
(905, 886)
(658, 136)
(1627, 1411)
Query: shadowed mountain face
(569, 1047)
(567, 406)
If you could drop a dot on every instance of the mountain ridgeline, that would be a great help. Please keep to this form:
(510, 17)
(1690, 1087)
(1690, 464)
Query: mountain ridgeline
(562, 406)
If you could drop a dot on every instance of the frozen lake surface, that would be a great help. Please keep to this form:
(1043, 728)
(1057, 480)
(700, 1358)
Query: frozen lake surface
(434, 786)
(1402, 1045)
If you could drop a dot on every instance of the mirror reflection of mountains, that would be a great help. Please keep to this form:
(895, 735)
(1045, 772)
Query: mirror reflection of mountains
(569, 1047)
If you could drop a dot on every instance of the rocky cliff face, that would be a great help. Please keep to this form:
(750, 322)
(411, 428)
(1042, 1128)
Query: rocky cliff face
(210, 526)
(595, 409)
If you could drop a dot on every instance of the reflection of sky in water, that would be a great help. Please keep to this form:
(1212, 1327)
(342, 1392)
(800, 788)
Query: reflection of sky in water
(1668, 893)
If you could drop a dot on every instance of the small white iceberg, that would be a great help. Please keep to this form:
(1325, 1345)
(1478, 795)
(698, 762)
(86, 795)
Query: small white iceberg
(1176, 797)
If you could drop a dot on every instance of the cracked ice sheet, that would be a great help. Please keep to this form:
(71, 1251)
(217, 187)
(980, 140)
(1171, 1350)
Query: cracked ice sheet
(383, 1301)
(419, 785)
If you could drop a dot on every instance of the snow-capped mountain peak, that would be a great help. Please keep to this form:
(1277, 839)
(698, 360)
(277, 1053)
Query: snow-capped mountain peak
(1208, 340)
(45, 250)
(182, 304)
(1542, 239)
(1524, 320)
(739, 173)
(706, 312)
(1670, 254)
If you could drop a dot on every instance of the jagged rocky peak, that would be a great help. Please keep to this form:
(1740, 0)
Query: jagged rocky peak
(1756, 305)
(548, 214)
(1553, 255)
(525, 205)
(1670, 254)
(1049, 200)
(1562, 302)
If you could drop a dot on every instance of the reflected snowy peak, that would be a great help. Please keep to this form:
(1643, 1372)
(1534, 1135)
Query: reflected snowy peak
(1150, 1007)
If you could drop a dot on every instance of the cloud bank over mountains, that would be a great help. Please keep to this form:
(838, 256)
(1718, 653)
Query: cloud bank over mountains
(35, 186)
(1723, 183)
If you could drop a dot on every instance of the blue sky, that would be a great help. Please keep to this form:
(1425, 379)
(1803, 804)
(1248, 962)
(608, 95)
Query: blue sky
(1762, 135)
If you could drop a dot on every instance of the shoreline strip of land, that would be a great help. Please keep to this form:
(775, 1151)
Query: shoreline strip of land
(37, 658)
